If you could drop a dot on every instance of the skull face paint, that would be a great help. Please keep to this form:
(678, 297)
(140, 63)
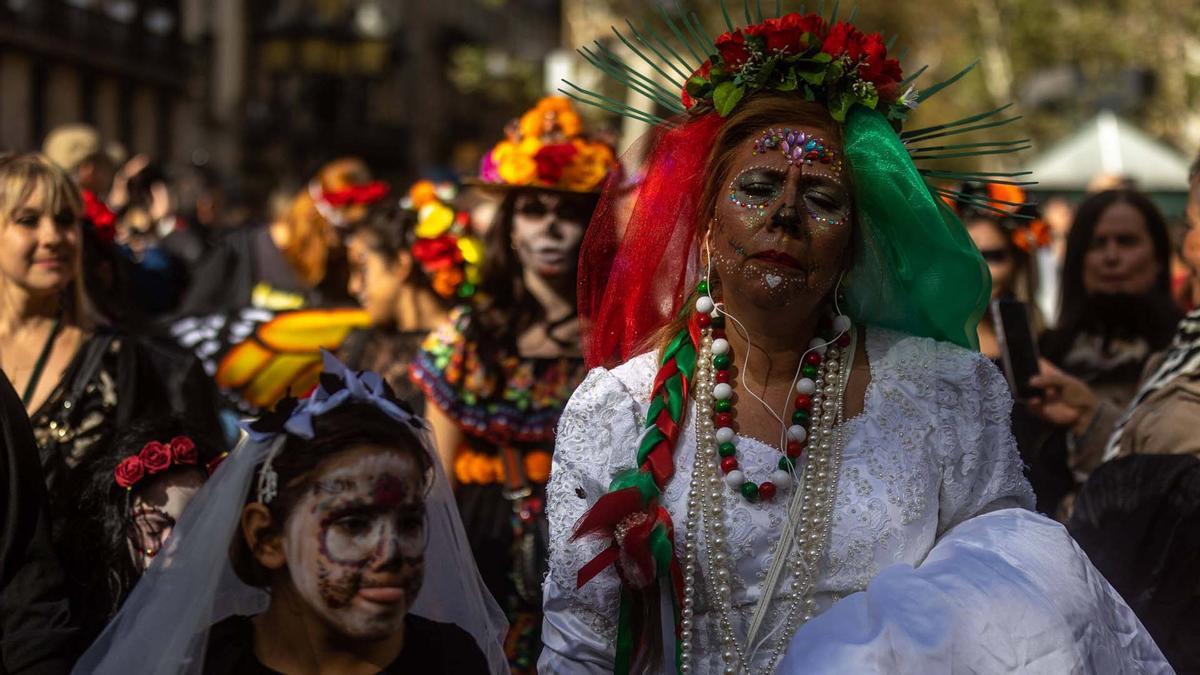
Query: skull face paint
(355, 542)
(783, 230)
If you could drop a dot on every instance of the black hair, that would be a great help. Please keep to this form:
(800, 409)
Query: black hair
(343, 428)
(1075, 311)
(392, 230)
(95, 536)
(507, 307)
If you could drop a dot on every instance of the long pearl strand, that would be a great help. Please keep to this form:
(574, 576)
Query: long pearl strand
(812, 508)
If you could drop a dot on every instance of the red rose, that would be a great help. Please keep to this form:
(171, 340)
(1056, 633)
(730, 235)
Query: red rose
(129, 472)
(732, 48)
(552, 160)
(183, 450)
(844, 40)
(786, 34)
(435, 254)
(155, 457)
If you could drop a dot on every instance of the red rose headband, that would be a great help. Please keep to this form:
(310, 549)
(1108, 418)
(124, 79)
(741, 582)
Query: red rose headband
(156, 457)
(329, 202)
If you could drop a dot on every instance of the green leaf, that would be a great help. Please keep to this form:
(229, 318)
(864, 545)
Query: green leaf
(697, 87)
(790, 83)
(822, 57)
(835, 71)
(870, 100)
(813, 77)
(839, 105)
(726, 96)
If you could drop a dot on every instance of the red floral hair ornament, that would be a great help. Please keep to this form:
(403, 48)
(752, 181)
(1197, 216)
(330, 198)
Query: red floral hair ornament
(156, 457)
(102, 219)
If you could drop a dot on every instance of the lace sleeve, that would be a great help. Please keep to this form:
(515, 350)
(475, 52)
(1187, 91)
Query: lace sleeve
(597, 436)
(981, 468)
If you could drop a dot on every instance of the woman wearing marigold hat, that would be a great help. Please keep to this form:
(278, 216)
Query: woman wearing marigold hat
(497, 374)
(792, 457)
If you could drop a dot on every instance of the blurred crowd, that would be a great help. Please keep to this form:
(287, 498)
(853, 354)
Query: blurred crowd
(137, 308)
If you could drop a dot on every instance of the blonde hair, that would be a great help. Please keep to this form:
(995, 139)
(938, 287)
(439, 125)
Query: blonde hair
(20, 176)
(308, 232)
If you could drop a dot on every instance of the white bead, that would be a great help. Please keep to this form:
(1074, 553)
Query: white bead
(735, 479)
(806, 386)
(841, 324)
(797, 433)
(720, 346)
(704, 304)
(722, 391)
(725, 435)
(781, 479)
(818, 345)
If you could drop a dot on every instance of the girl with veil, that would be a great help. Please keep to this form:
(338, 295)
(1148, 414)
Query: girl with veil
(345, 554)
(792, 457)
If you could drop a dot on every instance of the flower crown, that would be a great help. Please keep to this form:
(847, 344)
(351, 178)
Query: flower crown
(837, 65)
(444, 246)
(546, 148)
(1009, 206)
(156, 457)
(330, 202)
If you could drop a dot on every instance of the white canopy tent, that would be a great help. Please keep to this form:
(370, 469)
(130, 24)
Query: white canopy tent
(1110, 146)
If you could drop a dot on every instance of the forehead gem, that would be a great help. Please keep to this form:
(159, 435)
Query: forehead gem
(799, 147)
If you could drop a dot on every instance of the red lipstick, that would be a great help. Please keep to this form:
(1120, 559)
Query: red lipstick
(778, 258)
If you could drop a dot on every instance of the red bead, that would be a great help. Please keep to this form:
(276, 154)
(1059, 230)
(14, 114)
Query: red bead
(804, 401)
(813, 359)
(728, 464)
(844, 340)
(724, 376)
(723, 420)
(794, 449)
(766, 490)
(704, 320)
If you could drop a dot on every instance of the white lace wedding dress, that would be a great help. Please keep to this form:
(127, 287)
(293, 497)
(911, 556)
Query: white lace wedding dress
(916, 579)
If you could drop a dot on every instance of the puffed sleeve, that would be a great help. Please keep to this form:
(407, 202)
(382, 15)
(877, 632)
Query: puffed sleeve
(980, 465)
(597, 437)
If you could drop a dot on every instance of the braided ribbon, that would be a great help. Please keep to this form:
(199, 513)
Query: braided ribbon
(639, 529)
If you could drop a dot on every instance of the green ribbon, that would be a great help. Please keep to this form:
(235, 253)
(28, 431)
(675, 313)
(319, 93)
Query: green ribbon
(635, 478)
(915, 268)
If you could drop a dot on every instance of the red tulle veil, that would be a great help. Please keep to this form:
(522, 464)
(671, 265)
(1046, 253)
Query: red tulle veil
(639, 256)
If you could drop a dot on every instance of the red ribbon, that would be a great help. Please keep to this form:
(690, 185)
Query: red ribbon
(368, 193)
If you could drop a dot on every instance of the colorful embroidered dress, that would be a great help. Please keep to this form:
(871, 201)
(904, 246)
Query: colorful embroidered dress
(507, 407)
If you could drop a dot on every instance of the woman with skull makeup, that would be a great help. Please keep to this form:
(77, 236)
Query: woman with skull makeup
(497, 374)
(345, 555)
(792, 457)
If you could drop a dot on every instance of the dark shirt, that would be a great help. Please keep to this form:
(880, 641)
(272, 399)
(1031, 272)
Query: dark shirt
(430, 648)
(36, 634)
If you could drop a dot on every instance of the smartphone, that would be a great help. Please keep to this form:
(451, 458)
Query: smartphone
(1018, 348)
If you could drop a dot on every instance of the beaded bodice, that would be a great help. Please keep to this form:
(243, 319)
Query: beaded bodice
(931, 448)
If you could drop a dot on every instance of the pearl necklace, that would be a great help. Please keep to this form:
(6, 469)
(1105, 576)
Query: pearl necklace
(810, 512)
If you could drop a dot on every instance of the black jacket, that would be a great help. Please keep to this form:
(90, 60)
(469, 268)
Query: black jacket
(36, 633)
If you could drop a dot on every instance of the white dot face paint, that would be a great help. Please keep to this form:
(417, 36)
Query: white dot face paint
(355, 542)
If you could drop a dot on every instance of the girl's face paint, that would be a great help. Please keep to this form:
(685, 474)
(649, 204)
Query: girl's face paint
(355, 542)
(783, 230)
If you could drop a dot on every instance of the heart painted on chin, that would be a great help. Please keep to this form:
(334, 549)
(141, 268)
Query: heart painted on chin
(773, 280)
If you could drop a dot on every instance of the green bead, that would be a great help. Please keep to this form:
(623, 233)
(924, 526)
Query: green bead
(702, 287)
(724, 406)
(800, 417)
(810, 371)
(726, 450)
(786, 464)
(750, 491)
(721, 361)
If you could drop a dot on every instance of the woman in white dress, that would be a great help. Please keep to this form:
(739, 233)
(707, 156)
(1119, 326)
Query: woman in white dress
(801, 463)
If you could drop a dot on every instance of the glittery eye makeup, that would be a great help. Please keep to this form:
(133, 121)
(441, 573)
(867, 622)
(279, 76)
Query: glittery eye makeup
(756, 187)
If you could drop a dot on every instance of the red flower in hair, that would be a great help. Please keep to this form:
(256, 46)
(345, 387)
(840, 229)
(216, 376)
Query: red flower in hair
(732, 47)
(844, 40)
(702, 73)
(368, 193)
(103, 220)
(129, 472)
(786, 34)
(155, 457)
(876, 67)
(183, 450)
(552, 160)
(435, 254)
